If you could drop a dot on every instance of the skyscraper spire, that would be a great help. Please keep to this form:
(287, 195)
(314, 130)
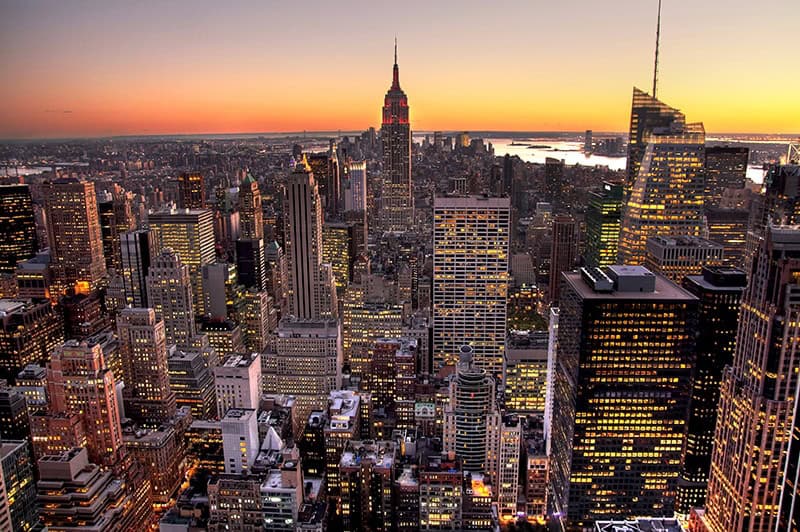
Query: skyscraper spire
(655, 66)
(395, 70)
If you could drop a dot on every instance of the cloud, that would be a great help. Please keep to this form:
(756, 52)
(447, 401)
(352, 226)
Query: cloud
(61, 111)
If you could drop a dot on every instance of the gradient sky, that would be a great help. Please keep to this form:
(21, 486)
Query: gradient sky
(92, 68)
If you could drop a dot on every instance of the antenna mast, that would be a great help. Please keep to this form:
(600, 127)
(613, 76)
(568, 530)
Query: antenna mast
(658, 39)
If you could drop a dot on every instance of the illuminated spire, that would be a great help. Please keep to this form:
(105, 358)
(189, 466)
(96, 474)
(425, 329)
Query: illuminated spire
(658, 38)
(396, 70)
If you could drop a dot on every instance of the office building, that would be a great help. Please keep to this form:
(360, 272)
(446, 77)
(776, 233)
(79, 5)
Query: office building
(192, 381)
(363, 323)
(729, 228)
(78, 381)
(667, 195)
(470, 280)
(14, 414)
(441, 493)
(34, 277)
(191, 191)
(720, 292)
(143, 350)
(250, 247)
(367, 470)
(311, 292)
(553, 180)
(751, 462)
(190, 234)
(76, 494)
(397, 197)
(259, 321)
(632, 335)
(563, 249)
(503, 443)
(339, 250)
(169, 294)
(326, 169)
(471, 402)
(647, 115)
(525, 375)
(354, 188)
(17, 487)
(225, 336)
(240, 439)
(726, 167)
(675, 257)
(603, 219)
(139, 250)
(73, 233)
(28, 332)
(306, 364)
(238, 383)
(17, 227)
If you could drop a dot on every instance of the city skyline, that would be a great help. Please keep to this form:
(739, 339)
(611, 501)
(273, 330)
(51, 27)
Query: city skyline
(135, 70)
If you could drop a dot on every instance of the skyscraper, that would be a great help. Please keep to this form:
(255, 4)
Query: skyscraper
(472, 401)
(191, 191)
(16, 476)
(720, 292)
(190, 233)
(307, 363)
(726, 167)
(667, 195)
(250, 251)
(758, 395)
(470, 279)
(17, 227)
(562, 252)
(73, 229)
(78, 381)
(631, 333)
(647, 115)
(326, 169)
(676, 257)
(138, 251)
(251, 217)
(311, 291)
(169, 293)
(145, 370)
(603, 219)
(397, 209)
(354, 187)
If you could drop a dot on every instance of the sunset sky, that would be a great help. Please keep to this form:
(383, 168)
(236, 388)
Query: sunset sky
(85, 68)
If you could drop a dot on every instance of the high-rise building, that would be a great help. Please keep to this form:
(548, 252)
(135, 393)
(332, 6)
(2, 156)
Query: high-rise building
(311, 292)
(729, 228)
(14, 420)
(307, 363)
(470, 280)
(503, 443)
(190, 233)
(367, 470)
(603, 219)
(29, 331)
(472, 401)
(553, 180)
(73, 229)
(726, 167)
(251, 217)
(17, 487)
(74, 493)
(675, 257)
(397, 197)
(562, 252)
(251, 263)
(525, 376)
(240, 441)
(354, 188)
(647, 115)
(259, 321)
(339, 250)
(362, 324)
(720, 292)
(632, 335)
(667, 195)
(757, 410)
(250, 250)
(143, 349)
(169, 294)
(192, 381)
(17, 227)
(441, 493)
(325, 167)
(78, 381)
(139, 250)
(191, 191)
(238, 383)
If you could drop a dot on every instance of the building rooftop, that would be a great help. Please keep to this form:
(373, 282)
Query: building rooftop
(640, 524)
(240, 361)
(625, 283)
(471, 202)
(380, 453)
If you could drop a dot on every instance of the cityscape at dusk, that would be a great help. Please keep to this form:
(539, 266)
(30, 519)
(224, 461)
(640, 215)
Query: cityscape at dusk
(361, 266)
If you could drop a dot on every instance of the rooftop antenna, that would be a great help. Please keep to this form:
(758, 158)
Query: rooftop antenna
(658, 38)
(395, 48)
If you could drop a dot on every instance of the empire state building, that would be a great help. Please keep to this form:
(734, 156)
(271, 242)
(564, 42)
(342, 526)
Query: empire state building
(397, 211)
